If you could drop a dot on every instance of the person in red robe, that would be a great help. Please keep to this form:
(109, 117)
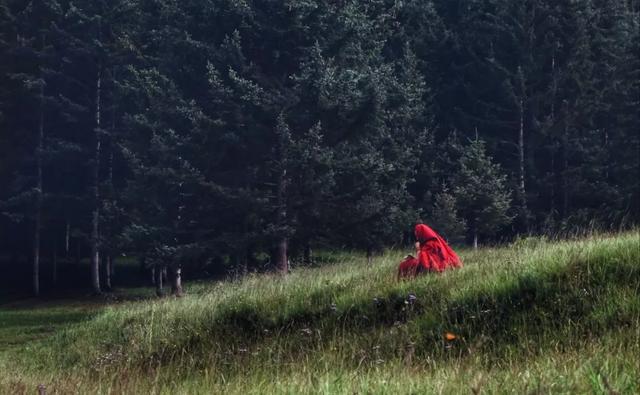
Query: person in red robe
(434, 254)
(408, 268)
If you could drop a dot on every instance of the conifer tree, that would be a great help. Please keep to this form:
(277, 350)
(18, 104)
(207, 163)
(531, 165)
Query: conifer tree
(481, 193)
(445, 217)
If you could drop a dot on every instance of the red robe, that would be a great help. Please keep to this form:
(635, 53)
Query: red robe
(435, 254)
(408, 267)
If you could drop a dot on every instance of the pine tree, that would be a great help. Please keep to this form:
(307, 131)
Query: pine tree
(481, 193)
(445, 216)
(32, 58)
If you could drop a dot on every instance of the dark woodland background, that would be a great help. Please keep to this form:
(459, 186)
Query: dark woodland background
(225, 136)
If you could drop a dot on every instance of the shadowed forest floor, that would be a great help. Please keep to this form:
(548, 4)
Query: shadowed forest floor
(532, 317)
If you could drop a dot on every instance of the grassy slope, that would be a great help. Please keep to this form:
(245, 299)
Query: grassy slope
(532, 317)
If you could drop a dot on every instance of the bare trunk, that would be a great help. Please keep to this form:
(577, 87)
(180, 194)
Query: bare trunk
(107, 272)
(110, 170)
(39, 195)
(475, 239)
(158, 280)
(244, 255)
(369, 256)
(308, 259)
(554, 86)
(282, 260)
(522, 193)
(242, 263)
(54, 274)
(565, 164)
(176, 282)
(36, 260)
(110, 260)
(554, 89)
(245, 263)
(607, 162)
(95, 269)
(66, 238)
(552, 203)
(95, 222)
(521, 173)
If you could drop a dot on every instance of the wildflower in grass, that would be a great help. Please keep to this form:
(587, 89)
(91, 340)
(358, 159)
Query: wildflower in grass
(450, 336)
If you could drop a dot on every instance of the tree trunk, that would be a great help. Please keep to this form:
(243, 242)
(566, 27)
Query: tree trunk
(552, 121)
(308, 260)
(36, 260)
(39, 194)
(95, 223)
(67, 233)
(282, 260)
(54, 274)
(158, 280)
(369, 256)
(242, 262)
(607, 162)
(107, 272)
(552, 184)
(176, 282)
(475, 239)
(522, 193)
(554, 86)
(565, 163)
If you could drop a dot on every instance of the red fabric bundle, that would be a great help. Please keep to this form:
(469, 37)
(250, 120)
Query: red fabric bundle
(435, 254)
(408, 267)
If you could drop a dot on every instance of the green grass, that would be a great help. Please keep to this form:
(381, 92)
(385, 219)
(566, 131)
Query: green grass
(532, 317)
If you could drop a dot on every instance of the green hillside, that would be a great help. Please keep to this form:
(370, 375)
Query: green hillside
(532, 317)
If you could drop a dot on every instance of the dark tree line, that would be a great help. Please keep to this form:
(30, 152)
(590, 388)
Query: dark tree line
(237, 134)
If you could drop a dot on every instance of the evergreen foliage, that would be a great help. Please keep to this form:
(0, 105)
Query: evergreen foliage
(481, 192)
(445, 217)
(231, 136)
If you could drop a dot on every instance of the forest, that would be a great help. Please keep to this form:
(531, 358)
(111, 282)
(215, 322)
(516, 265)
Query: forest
(209, 137)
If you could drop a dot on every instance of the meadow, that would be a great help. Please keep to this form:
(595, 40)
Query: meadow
(537, 316)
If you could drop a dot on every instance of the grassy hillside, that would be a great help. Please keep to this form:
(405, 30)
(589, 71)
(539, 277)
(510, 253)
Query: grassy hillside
(533, 317)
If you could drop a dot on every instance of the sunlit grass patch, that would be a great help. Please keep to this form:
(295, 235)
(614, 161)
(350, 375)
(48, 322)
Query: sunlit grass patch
(534, 316)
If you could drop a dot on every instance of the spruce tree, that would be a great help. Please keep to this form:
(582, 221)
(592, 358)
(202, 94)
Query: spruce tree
(481, 193)
(445, 217)
(32, 57)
